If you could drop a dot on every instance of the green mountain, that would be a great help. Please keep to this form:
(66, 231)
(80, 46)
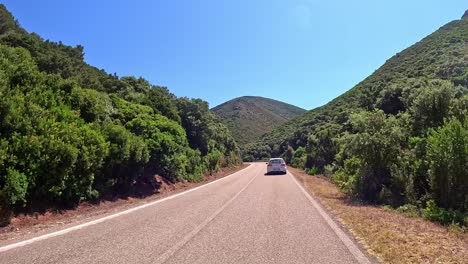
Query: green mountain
(71, 132)
(399, 136)
(249, 117)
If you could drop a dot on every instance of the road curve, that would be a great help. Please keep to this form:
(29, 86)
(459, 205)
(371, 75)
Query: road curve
(247, 217)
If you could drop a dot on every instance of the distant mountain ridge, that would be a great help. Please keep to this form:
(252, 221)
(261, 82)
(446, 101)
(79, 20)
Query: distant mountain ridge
(249, 117)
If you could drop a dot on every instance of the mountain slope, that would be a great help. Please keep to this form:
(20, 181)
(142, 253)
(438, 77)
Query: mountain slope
(442, 55)
(249, 117)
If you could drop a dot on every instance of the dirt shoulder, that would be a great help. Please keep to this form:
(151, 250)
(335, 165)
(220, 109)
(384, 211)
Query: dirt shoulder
(390, 236)
(28, 225)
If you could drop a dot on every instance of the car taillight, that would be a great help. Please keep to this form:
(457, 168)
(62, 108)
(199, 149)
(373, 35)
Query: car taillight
(283, 164)
(269, 165)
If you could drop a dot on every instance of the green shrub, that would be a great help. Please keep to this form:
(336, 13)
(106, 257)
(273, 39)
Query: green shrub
(15, 188)
(166, 142)
(432, 105)
(299, 158)
(124, 166)
(248, 158)
(212, 161)
(195, 168)
(447, 152)
(93, 105)
(312, 171)
(437, 214)
(347, 176)
(409, 210)
(374, 148)
(288, 155)
(321, 146)
(329, 170)
(12, 195)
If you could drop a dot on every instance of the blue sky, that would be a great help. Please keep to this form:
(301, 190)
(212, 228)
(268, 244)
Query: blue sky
(303, 52)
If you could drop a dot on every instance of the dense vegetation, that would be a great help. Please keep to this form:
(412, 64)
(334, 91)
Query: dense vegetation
(70, 132)
(398, 137)
(249, 117)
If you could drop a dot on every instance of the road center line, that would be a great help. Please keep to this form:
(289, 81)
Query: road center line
(352, 247)
(100, 220)
(170, 252)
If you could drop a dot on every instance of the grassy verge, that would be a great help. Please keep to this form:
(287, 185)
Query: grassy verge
(391, 236)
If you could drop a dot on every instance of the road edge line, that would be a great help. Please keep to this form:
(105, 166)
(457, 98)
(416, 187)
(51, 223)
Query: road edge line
(352, 247)
(108, 217)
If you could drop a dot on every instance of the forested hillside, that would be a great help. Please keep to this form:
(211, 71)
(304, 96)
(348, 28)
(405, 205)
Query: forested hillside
(249, 117)
(398, 137)
(70, 132)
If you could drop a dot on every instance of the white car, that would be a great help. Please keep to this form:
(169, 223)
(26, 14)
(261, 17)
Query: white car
(276, 165)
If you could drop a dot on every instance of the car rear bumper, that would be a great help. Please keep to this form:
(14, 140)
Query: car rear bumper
(277, 170)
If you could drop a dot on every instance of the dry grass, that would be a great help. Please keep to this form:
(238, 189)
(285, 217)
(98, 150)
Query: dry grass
(390, 236)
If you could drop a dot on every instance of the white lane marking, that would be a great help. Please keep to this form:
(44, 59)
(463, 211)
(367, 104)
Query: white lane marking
(100, 220)
(355, 251)
(170, 252)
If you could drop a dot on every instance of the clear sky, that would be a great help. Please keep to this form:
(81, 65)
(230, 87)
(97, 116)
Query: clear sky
(304, 52)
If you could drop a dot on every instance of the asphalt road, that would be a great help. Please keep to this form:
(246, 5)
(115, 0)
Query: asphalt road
(247, 217)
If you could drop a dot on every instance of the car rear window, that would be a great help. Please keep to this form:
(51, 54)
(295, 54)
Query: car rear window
(276, 161)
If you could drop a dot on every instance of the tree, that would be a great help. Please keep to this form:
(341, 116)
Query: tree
(288, 155)
(166, 143)
(93, 105)
(374, 147)
(447, 151)
(432, 105)
(125, 164)
(299, 158)
(321, 147)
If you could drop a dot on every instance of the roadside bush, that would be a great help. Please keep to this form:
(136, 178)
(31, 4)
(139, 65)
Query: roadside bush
(299, 158)
(212, 161)
(312, 171)
(409, 210)
(15, 188)
(288, 155)
(12, 195)
(195, 168)
(329, 170)
(247, 158)
(166, 142)
(437, 214)
(321, 147)
(347, 177)
(125, 164)
(411, 170)
(372, 150)
(447, 152)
